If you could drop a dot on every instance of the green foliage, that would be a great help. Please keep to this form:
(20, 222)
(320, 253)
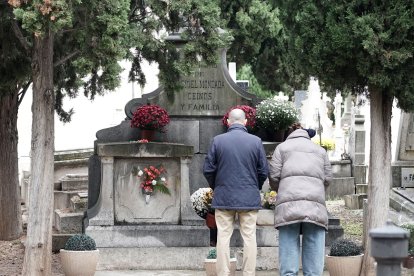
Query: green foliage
(200, 22)
(246, 73)
(91, 37)
(14, 60)
(253, 24)
(162, 189)
(353, 45)
(410, 228)
(259, 42)
(212, 254)
(344, 247)
(80, 242)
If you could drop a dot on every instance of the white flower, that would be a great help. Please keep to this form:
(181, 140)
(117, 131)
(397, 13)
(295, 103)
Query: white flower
(154, 182)
(140, 173)
(163, 179)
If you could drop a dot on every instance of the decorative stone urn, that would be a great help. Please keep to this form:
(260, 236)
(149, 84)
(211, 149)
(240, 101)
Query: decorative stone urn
(344, 265)
(76, 263)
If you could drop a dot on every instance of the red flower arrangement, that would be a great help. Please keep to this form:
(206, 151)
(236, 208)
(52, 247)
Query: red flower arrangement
(250, 116)
(150, 117)
(152, 179)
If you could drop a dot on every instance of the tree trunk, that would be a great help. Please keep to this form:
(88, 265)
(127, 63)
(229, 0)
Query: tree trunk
(10, 213)
(38, 254)
(379, 183)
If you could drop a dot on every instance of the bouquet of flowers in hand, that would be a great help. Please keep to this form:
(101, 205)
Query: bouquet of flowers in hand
(201, 200)
(269, 200)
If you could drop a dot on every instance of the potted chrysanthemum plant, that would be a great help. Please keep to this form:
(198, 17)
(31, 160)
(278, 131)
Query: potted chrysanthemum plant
(201, 202)
(150, 119)
(275, 116)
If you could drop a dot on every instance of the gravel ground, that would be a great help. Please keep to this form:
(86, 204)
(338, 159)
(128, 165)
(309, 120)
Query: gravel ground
(12, 252)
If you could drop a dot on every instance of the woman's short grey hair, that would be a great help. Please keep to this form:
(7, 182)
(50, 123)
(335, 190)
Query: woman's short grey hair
(237, 116)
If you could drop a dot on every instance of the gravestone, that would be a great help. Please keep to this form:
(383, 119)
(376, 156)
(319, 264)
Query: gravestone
(128, 231)
(119, 219)
(196, 110)
(402, 169)
(300, 96)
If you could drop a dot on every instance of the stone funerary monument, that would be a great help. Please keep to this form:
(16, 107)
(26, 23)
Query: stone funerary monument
(165, 233)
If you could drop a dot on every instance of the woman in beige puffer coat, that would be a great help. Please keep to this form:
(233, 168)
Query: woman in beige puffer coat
(299, 172)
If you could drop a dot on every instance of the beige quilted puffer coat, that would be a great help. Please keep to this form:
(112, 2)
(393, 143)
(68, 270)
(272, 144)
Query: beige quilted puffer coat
(299, 171)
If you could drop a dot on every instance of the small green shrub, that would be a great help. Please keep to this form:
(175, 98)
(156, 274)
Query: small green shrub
(212, 254)
(344, 247)
(410, 228)
(80, 242)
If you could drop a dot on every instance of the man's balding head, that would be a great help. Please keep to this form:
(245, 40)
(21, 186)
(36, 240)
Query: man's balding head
(237, 116)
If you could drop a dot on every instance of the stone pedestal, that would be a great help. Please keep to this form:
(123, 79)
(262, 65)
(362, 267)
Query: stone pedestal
(122, 223)
(121, 200)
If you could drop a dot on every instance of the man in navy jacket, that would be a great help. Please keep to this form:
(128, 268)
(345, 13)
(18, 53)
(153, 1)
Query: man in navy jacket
(236, 168)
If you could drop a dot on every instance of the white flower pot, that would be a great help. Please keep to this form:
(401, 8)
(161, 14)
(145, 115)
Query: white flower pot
(210, 267)
(344, 265)
(79, 263)
(265, 217)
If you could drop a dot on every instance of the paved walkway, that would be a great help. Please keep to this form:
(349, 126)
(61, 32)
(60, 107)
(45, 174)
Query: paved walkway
(179, 273)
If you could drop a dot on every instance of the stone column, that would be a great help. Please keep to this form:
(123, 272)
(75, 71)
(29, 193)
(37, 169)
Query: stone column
(188, 216)
(104, 208)
(346, 118)
(389, 246)
(339, 134)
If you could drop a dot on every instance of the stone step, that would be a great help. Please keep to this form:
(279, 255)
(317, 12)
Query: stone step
(74, 182)
(340, 186)
(72, 154)
(67, 222)
(361, 188)
(62, 199)
(142, 236)
(59, 241)
(402, 200)
(178, 258)
(78, 204)
(354, 201)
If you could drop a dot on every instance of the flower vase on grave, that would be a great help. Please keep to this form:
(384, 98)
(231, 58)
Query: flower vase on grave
(211, 221)
(147, 196)
(211, 224)
(147, 134)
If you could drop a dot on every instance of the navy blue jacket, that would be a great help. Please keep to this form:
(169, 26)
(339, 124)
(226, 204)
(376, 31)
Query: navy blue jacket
(235, 168)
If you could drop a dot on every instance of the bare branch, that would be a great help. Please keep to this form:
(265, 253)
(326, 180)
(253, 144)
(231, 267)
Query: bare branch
(66, 58)
(19, 34)
(23, 92)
